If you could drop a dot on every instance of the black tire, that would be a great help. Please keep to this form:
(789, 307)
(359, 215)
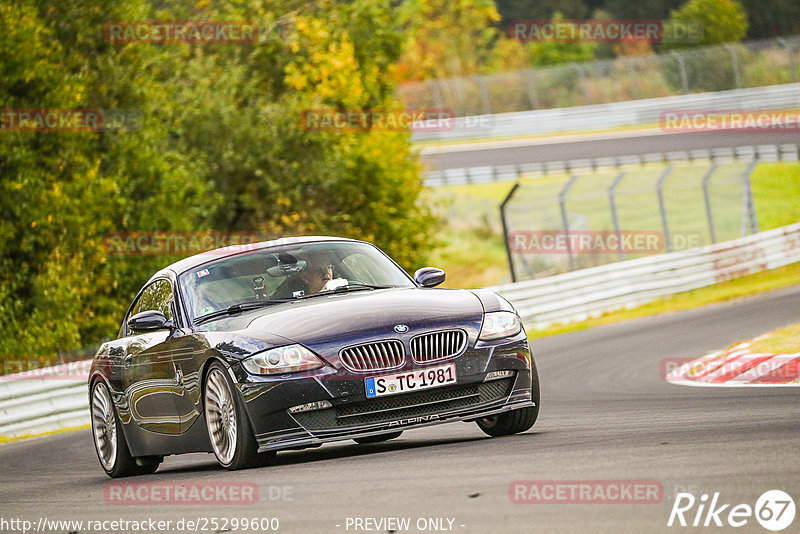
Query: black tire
(378, 439)
(109, 442)
(515, 421)
(234, 446)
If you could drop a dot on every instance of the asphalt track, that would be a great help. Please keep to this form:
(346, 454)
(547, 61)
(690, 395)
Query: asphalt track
(606, 415)
(623, 143)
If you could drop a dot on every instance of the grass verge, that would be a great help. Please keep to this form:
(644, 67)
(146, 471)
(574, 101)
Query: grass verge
(472, 250)
(782, 341)
(8, 439)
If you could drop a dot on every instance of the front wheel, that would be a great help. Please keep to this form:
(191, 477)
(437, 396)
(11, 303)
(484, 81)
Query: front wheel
(112, 449)
(227, 423)
(515, 421)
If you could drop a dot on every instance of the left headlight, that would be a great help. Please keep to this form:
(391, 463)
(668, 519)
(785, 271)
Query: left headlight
(497, 325)
(287, 359)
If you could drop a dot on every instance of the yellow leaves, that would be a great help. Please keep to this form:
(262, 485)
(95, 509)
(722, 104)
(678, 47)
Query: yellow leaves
(33, 224)
(324, 64)
(290, 220)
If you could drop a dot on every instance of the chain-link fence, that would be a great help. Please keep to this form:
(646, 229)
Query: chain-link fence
(713, 68)
(560, 223)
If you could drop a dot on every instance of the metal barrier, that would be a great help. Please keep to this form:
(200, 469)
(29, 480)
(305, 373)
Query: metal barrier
(590, 292)
(44, 400)
(603, 116)
(56, 398)
(714, 68)
(509, 173)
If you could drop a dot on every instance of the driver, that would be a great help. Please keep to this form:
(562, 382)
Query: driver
(316, 277)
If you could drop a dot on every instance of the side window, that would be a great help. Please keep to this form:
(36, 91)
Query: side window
(156, 296)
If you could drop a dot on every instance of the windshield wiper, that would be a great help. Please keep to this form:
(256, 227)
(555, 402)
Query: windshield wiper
(238, 308)
(351, 286)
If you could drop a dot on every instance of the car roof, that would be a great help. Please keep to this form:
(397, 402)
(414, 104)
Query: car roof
(192, 262)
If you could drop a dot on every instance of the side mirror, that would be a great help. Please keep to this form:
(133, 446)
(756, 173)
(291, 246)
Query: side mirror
(148, 321)
(429, 276)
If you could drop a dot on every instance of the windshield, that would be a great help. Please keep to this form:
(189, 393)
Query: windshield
(286, 273)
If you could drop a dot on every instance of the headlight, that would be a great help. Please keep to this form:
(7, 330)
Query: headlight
(497, 325)
(288, 359)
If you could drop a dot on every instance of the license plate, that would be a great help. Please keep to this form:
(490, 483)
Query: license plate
(430, 377)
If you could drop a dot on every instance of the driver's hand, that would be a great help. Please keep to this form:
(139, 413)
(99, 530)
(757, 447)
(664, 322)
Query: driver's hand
(330, 285)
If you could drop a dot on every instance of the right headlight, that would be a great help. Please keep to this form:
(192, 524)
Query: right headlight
(287, 359)
(497, 325)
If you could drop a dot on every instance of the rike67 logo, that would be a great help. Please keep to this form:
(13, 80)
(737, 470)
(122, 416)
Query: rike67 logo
(774, 510)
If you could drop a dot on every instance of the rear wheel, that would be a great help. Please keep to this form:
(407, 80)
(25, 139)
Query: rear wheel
(112, 449)
(227, 423)
(515, 421)
(378, 439)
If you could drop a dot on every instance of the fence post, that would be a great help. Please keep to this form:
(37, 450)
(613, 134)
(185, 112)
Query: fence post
(737, 74)
(487, 107)
(437, 93)
(662, 206)
(562, 201)
(533, 97)
(585, 87)
(682, 70)
(707, 199)
(612, 191)
(505, 230)
(632, 76)
(790, 57)
(748, 207)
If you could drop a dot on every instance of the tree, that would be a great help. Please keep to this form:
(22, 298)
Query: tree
(448, 37)
(546, 53)
(723, 21)
(771, 18)
(221, 147)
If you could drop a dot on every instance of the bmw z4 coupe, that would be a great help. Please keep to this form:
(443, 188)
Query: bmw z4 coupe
(287, 344)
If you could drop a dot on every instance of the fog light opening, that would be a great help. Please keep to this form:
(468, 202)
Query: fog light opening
(310, 406)
(497, 375)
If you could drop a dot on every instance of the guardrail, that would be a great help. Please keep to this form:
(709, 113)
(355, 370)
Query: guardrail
(602, 116)
(590, 292)
(508, 173)
(56, 397)
(44, 400)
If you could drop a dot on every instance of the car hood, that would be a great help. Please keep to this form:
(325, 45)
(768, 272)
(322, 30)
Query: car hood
(359, 316)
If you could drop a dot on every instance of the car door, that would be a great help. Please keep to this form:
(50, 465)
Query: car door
(150, 378)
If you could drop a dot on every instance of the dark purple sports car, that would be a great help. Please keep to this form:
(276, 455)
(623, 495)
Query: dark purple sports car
(287, 344)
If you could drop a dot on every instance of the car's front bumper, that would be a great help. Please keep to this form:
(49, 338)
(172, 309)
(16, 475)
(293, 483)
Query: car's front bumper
(352, 415)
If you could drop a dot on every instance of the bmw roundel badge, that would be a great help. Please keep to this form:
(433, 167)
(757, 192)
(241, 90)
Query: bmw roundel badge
(401, 329)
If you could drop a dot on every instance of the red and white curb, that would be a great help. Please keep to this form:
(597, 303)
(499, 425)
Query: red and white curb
(735, 367)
